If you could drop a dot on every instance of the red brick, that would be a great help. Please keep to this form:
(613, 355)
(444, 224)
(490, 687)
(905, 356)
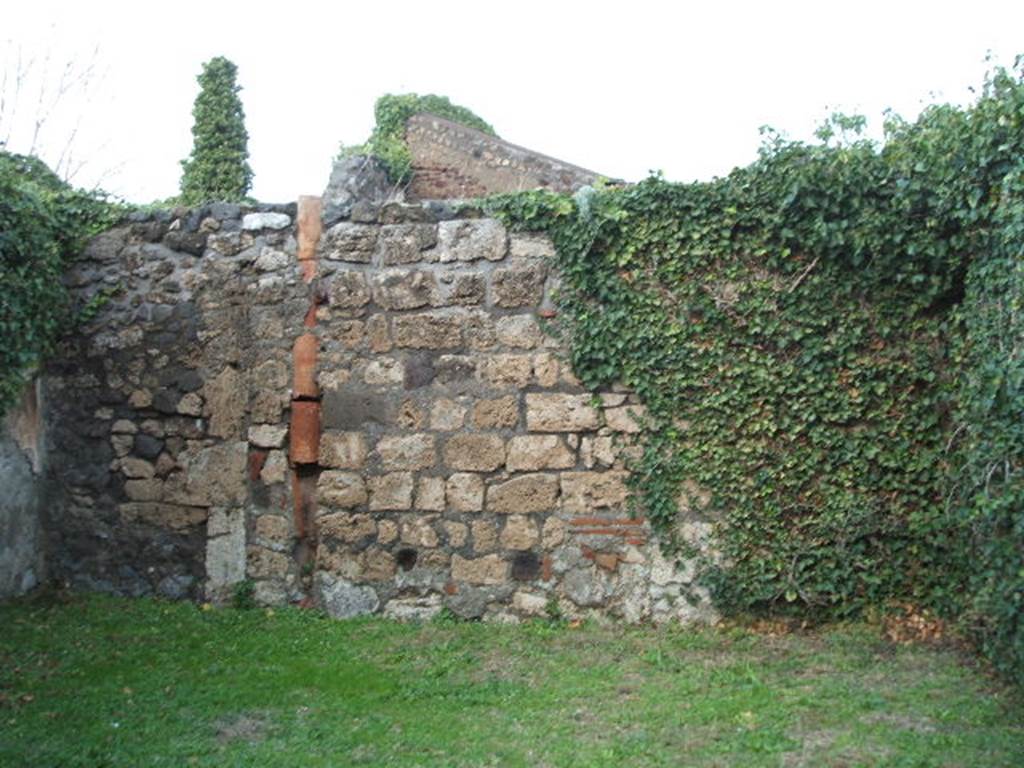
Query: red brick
(257, 458)
(310, 226)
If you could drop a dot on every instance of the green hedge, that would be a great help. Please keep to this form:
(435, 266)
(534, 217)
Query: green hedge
(43, 224)
(829, 341)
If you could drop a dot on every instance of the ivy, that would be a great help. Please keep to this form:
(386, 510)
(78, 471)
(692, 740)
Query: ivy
(43, 225)
(392, 112)
(829, 345)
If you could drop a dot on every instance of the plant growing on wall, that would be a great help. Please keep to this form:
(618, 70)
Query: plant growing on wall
(392, 112)
(829, 343)
(218, 168)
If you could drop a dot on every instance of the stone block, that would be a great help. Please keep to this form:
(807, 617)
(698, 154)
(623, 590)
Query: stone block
(348, 410)
(337, 488)
(558, 412)
(524, 495)
(407, 452)
(274, 529)
(391, 492)
(399, 289)
(137, 469)
(418, 532)
(584, 492)
(144, 490)
(489, 569)
(169, 516)
(267, 435)
(275, 468)
(496, 413)
(385, 371)
(624, 418)
(377, 564)
(533, 452)
(406, 243)
(519, 332)
(471, 239)
(225, 551)
(530, 246)
(342, 450)
(485, 536)
(519, 532)
(430, 494)
(463, 289)
(349, 242)
(464, 492)
(447, 415)
(427, 330)
(518, 285)
(348, 290)
(554, 532)
(341, 599)
(422, 608)
(474, 452)
(456, 533)
(545, 369)
(506, 370)
(257, 221)
(226, 398)
(347, 528)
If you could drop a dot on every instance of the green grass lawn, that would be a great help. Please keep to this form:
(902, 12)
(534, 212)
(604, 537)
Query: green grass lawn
(96, 681)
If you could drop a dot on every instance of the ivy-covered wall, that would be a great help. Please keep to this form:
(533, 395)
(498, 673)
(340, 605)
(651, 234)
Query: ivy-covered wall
(829, 340)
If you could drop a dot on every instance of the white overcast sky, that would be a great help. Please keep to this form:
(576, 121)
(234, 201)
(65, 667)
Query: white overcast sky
(621, 88)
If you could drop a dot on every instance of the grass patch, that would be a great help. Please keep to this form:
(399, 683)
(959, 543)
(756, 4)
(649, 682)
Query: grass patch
(97, 681)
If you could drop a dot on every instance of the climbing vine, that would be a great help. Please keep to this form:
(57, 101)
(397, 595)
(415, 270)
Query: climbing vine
(800, 335)
(43, 224)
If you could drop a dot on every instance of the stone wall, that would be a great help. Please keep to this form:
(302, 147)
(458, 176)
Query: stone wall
(367, 416)
(23, 457)
(450, 160)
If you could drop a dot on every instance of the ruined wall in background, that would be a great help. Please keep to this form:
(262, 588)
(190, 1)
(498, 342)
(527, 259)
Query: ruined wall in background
(450, 160)
(23, 457)
(364, 414)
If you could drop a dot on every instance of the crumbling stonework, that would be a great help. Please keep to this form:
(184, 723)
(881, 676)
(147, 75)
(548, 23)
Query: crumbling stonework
(450, 160)
(350, 402)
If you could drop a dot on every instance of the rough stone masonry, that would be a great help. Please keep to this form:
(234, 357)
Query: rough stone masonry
(351, 403)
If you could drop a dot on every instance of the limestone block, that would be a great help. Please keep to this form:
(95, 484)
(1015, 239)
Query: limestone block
(518, 285)
(341, 599)
(485, 536)
(384, 371)
(139, 469)
(349, 242)
(496, 413)
(463, 289)
(256, 221)
(377, 564)
(583, 492)
(172, 516)
(275, 529)
(271, 260)
(507, 370)
(387, 531)
(530, 246)
(474, 452)
(489, 569)
(348, 290)
(191, 404)
(144, 490)
(533, 452)
(529, 604)
(520, 532)
(418, 532)
(456, 533)
(226, 398)
(559, 412)
(406, 243)
(391, 492)
(471, 239)
(413, 608)
(342, 450)
(524, 495)
(225, 552)
(554, 532)
(624, 418)
(430, 494)
(464, 492)
(447, 415)
(407, 452)
(267, 435)
(397, 289)
(346, 527)
(519, 331)
(336, 488)
(545, 369)
(427, 330)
